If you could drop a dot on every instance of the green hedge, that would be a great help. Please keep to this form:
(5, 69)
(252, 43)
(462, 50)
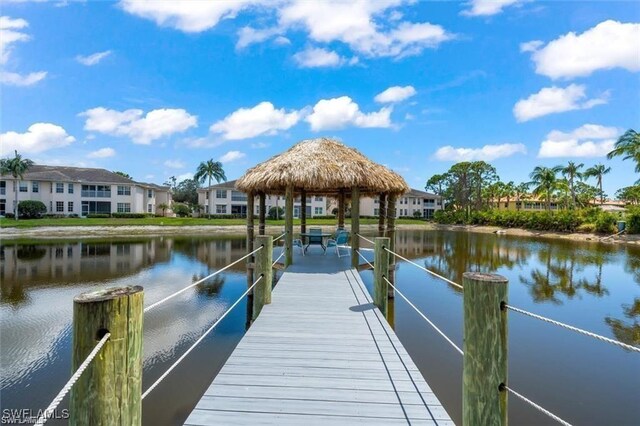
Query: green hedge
(98, 216)
(131, 215)
(633, 220)
(31, 209)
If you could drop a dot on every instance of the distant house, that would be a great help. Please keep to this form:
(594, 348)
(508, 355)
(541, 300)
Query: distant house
(224, 199)
(406, 206)
(81, 191)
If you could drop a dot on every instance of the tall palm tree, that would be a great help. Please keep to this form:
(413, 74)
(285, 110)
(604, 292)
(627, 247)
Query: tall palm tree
(598, 171)
(210, 170)
(572, 171)
(521, 191)
(545, 181)
(16, 167)
(628, 146)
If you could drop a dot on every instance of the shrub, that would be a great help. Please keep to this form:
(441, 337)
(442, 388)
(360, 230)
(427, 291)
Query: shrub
(129, 215)
(181, 210)
(632, 218)
(74, 215)
(275, 213)
(98, 216)
(605, 223)
(587, 228)
(417, 214)
(54, 216)
(9, 216)
(326, 216)
(30, 209)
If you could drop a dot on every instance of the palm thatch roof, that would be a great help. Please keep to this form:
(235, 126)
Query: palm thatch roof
(321, 166)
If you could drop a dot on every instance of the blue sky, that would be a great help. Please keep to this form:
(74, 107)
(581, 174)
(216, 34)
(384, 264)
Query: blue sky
(153, 88)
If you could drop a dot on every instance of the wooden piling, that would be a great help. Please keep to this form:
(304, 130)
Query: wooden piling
(355, 226)
(262, 215)
(109, 391)
(484, 402)
(391, 234)
(288, 225)
(382, 213)
(303, 211)
(341, 208)
(264, 259)
(250, 234)
(380, 272)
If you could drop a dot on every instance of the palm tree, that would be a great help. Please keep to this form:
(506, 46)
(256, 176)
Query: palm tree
(545, 181)
(598, 171)
(521, 191)
(16, 167)
(572, 171)
(210, 170)
(628, 145)
(163, 207)
(509, 191)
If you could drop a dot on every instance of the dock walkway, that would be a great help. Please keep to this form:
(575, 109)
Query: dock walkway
(320, 353)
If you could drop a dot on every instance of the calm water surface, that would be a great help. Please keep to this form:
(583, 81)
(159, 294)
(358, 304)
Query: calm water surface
(590, 285)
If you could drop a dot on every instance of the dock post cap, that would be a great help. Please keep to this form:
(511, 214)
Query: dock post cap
(107, 294)
(485, 277)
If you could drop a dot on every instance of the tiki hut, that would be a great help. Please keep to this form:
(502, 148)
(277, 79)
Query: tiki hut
(322, 167)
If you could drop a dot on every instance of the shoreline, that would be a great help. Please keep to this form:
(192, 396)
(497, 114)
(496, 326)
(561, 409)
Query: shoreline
(81, 232)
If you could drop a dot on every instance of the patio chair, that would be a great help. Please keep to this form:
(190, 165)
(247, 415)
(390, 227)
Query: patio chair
(341, 240)
(315, 240)
(297, 242)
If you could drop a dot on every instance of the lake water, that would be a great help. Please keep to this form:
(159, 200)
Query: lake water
(590, 285)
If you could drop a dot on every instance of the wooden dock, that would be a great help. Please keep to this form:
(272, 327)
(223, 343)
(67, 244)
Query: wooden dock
(320, 353)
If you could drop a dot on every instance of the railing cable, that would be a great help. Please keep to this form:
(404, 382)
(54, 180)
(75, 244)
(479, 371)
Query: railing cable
(365, 259)
(366, 239)
(276, 261)
(425, 317)
(279, 236)
(171, 296)
(425, 269)
(572, 328)
(184, 355)
(72, 381)
(537, 407)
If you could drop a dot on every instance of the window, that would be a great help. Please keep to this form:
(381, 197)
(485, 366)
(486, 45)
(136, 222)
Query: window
(70, 206)
(206, 209)
(3, 206)
(99, 191)
(149, 208)
(3, 187)
(414, 201)
(221, 208)
(376, 200)
(238, 196)
(60, 206)
(317, 210)
(149, 193)
(318, 198)
(376, 212)
(59, 188)
(70, 190)
(124, 207)
(221, 193)
(124, 190)
(35, 187)
(99, 207)
(23, 187)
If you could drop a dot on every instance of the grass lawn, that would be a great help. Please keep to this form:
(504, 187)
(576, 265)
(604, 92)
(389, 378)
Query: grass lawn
(170, 221)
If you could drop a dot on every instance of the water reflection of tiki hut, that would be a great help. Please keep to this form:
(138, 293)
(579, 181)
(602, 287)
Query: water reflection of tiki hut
(322, 167)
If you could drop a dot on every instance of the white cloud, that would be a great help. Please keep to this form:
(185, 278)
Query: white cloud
(341, 112)
(184, 176)
(190, 16)
(142, 129)
(93, 59)
(259, 145)
(281, 41)
(531, 46)
(15, 79)
(232, 156)
(610, 44)
(38, 138)
(551, 100)
(262, 119)
(487, 7)
(102, 153)
(314, 57)
(486, 153)
(174, 164)
(395, 94)
(250, 35)
(590, 140)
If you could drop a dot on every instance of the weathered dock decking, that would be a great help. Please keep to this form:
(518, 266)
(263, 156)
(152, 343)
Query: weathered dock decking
(320, 353)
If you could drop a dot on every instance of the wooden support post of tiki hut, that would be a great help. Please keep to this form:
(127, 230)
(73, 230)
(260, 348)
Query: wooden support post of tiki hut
(355, 226)
(391, 234)
(303, 211)
(341, 210)
(262, 203)
(382, 213)
(250, 259)
(288, 225)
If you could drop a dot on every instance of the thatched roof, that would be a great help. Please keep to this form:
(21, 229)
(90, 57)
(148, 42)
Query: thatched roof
(321, 166)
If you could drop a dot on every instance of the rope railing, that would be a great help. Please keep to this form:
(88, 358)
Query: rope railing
(279, 236)
(425, 269)
(188, 351)
(46, 414)
(435, 327)
(171, 296)
(276, 261)
(366, 239)
(572, 328)
(365, 259)
(537, 407)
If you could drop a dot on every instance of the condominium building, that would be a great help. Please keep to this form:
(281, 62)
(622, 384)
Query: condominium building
(81, 191)
(223, 198)
(408, 205)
